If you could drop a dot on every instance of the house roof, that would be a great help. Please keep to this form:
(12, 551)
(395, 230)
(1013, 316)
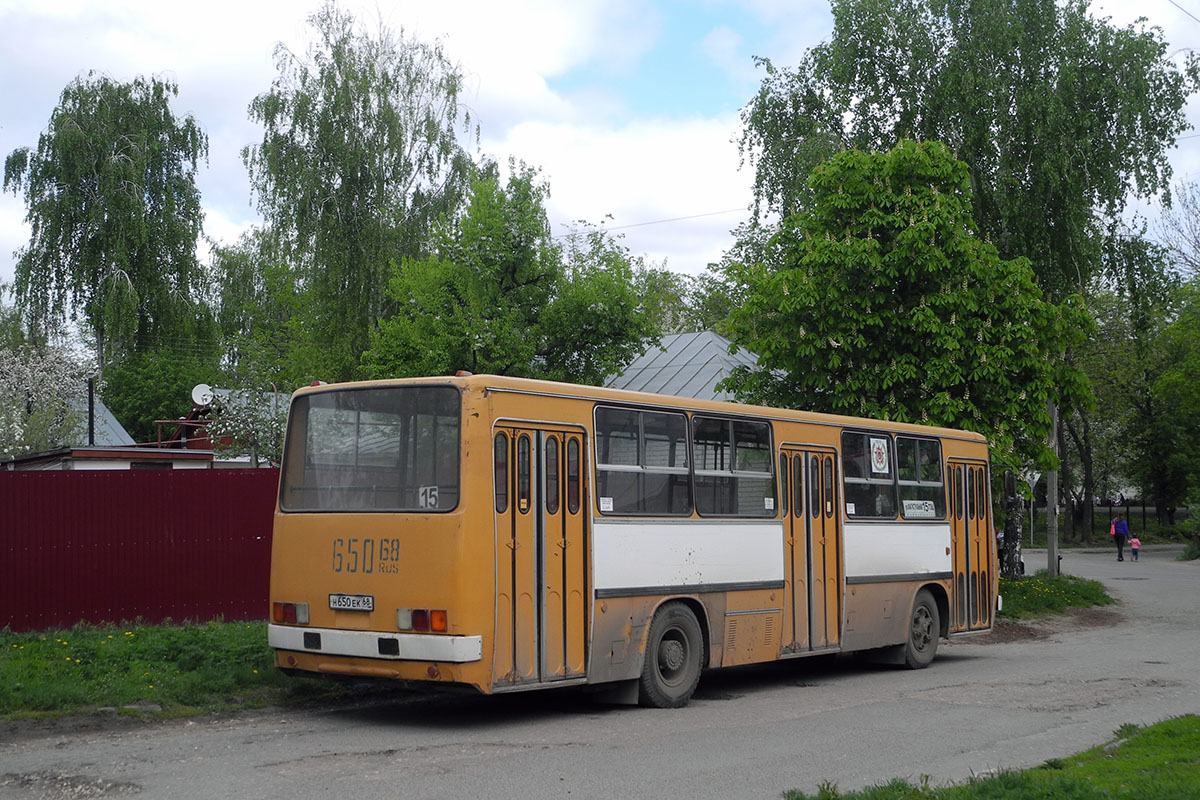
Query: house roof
(686, 365)
(108, 430)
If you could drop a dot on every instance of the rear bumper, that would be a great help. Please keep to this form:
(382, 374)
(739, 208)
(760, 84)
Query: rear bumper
(376, 644)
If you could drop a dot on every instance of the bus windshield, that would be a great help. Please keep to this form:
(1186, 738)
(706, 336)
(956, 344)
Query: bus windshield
(373, 449)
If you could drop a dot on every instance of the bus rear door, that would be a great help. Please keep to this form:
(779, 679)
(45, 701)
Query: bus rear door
(812, 552)
(541, 554)
(972, 545)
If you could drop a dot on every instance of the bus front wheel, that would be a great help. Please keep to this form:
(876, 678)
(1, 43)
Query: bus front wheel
(674, 648)
(924, 630)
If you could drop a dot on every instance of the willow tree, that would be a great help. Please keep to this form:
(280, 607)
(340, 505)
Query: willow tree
(1059, 116)
(114, 212)
(360, 154)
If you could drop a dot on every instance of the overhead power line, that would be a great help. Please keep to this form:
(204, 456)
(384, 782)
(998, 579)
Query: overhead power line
(662, 221)
(1184, 10)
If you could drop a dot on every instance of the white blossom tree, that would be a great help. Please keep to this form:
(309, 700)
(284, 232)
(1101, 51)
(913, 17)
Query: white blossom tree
(249, 421)
(36, 388)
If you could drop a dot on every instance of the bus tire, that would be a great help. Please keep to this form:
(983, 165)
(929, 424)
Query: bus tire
(923, 633)
(674, 649)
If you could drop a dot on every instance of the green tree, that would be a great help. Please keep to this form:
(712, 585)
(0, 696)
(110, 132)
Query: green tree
(685, 303)
(111, 198)
(157, 385)
(1127, 439)
(1177, 387)
(1059, 116)
(262, 314)
(359, 157)
(500, 295)
(881, 300)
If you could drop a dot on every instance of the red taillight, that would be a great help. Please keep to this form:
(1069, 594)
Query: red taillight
(289, 613)
(422, 619)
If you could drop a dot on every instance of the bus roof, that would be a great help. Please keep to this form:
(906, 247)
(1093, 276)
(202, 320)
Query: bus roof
(545, 388)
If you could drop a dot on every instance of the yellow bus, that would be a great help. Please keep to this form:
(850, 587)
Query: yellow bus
(508, 534)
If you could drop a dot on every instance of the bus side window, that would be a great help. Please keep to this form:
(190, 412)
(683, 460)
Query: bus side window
(868, 471)
(500, 458)
(783, 485)
(971, 504)
(829, 487)
(552, 475)
(798, 486)
(814, 487)
(981, 484)
(523, 474)
(573, 475)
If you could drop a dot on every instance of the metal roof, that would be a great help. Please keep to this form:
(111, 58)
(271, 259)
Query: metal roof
(687, 365)
(109, 431)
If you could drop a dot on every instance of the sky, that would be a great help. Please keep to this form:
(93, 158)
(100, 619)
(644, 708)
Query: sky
(629, 107)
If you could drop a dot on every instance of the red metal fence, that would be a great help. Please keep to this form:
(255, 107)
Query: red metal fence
(119, 545)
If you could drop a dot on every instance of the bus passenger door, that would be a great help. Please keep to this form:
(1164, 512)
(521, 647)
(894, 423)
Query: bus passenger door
(541, 554)
(812, 551)
(971, 542)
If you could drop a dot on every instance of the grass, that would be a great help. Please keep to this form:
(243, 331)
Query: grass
(1192, 552)
(168, 670)
(1037, 595)
(179, 670)
(1159, 762)
(1146, 527)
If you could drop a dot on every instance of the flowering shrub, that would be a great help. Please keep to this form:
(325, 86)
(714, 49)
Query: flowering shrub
(37, 385)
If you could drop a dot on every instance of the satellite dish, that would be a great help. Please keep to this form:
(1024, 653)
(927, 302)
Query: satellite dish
(202, 394)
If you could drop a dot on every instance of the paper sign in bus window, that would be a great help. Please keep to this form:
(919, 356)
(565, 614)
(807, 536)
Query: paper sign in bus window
(879, 456)
(428, 496)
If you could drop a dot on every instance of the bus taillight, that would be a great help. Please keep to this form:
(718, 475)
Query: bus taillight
(422, 619)
(290, 613)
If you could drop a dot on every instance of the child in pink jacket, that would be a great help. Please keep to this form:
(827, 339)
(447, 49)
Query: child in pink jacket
(1134, 544)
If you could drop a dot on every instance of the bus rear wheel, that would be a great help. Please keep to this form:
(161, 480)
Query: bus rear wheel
(674, 649)
(924, 630)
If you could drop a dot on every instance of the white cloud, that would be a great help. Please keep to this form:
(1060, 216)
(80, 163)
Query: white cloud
(680, 176)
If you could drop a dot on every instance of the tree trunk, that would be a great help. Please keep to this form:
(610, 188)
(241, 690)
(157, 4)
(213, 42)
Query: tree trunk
(1089, 478)
(1066, 480)
(1014, 517)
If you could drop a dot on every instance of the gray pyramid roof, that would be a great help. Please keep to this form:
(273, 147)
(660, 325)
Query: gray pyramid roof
(687, 365)
(109, 431)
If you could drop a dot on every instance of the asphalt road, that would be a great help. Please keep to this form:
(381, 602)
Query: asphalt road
(749, 733)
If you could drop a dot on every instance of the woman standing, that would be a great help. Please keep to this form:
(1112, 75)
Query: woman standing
(1120, 532)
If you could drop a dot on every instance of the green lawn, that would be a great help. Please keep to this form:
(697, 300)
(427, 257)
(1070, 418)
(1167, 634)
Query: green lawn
(1160, 762)
(187, 669)
(1037, 595)
(179, 669)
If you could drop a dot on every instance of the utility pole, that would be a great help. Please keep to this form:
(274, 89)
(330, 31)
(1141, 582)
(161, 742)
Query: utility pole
(1052, 499)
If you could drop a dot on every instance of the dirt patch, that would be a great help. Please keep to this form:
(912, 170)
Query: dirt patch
(1006, 630)
(52, 786)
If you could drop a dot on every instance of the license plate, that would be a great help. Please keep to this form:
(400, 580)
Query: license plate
(352, 602)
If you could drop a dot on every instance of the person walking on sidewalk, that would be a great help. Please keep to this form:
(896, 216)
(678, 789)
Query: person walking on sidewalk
(1135, 544)
(1119, 530)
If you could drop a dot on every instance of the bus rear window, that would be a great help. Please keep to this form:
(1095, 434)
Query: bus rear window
(378, 449)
